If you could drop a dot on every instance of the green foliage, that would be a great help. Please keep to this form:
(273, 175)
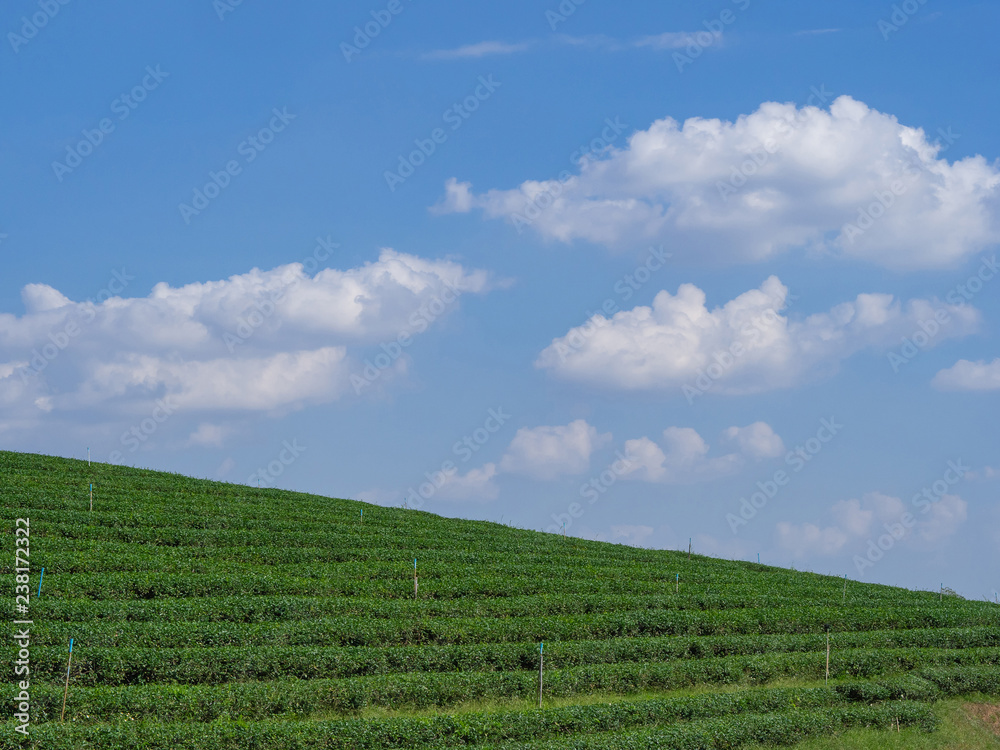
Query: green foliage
(210, 615)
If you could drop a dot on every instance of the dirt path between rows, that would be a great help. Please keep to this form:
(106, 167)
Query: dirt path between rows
(988, 713)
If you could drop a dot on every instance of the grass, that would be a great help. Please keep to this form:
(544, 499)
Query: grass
(959, 730)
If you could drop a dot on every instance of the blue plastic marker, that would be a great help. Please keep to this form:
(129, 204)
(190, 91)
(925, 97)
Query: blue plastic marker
(40, 581)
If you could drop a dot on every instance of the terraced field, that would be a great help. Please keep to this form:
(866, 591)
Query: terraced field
(209, 616)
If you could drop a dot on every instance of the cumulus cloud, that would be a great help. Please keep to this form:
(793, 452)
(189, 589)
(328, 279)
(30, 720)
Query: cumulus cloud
(682, 456)
(631, 535)
(757, 440)
(969, 376)
(751, 344)
(211, 435)
(849, 180)
(946, 516)
(859, 521)
(476, 484)
(548, 452)
(258, 341)
(808, 538)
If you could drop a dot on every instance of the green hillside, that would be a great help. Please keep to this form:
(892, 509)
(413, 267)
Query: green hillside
(208, 615)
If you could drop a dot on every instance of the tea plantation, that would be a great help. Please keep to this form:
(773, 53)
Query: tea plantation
(207, 616)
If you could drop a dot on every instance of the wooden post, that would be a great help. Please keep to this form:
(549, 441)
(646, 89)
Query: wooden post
(541, 665)
(677, 590)
(828, 657)
(66, 692)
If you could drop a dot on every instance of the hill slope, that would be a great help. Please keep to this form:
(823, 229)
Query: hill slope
(208, 615)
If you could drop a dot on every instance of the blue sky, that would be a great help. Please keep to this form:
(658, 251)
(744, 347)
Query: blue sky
(603, 265)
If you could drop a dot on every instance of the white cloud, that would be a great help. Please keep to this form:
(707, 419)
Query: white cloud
(676, 40)
(631, 535)
(258, 341)
(211, 435)
(946, 516)
(668, 40)
(225, 467)
(817, 171)
(745, 346)
(248, 383)
(646, 460)
(480, 49)
(876, 514)
(757, 440)
(683, 457)
(548, 452)
(476, 484)
(854, 519)
(809, 539)
(969, 376)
